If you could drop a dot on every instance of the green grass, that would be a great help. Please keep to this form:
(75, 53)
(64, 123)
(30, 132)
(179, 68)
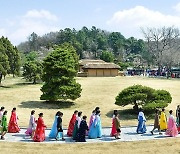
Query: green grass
(16, 92)
(96, 92)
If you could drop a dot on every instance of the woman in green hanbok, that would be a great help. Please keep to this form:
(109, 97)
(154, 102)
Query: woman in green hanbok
(4, 125)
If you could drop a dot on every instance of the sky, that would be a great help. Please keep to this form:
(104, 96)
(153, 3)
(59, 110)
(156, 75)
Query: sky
(19, 18)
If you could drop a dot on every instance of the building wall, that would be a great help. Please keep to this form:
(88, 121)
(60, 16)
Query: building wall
(102, 72)
(114, 72)
(107, 72)
(91, 72)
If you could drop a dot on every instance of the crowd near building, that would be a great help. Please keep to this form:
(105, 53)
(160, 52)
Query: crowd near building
(100, 68)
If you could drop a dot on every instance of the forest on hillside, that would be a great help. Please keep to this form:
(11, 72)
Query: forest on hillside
(92, 43)
(160, 46)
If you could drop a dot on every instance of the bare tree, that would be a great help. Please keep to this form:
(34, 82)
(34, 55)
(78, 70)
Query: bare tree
(161, 41)
(171, 57)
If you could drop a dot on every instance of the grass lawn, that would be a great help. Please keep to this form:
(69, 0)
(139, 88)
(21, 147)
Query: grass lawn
(168, 146)
(99, 91)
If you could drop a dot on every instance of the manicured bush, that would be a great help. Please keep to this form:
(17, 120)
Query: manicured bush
(163, 95)
(147, 97)
(135, 94)
(155, 104)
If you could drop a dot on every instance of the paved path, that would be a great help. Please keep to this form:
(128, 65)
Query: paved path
(128, 134)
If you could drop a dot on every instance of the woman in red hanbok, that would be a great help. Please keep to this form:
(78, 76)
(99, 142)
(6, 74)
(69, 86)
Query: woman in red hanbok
(113, 130)
(13, 126)
(72, 123)
(39, 135)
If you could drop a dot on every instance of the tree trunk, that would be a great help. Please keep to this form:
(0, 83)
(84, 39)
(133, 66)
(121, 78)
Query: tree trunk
(34, 81)
(1, 77)
(159, 70)
(135, 107)
(169, 72)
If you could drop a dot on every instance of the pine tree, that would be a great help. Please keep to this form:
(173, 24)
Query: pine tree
(60, 69)
(32, 71)
(32, 68)
(13, 56)
(4, 63)
(107, 56)
(16, 62)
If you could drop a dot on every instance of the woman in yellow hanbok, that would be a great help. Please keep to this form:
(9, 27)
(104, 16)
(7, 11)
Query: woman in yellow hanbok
(163, 121)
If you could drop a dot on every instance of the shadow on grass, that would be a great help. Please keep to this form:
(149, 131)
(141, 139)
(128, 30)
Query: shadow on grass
(46, 105)
(129, 114)
(126, 114)
(5, 86)
(23, 84)
(17, 85)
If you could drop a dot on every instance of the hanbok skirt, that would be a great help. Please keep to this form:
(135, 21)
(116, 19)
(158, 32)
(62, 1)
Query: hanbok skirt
(163, 123)
(141, 128)
(70, 129)
(3, 129)
(29, 131)
(95, 131)
(178, 128)
(39, 135)
(75, 130)
(172, 128)
(13, 128)
(173, 132)
(53, 131)
(113, 130)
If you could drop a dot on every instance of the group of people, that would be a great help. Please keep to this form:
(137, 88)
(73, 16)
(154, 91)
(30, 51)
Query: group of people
(170, 126)
(12, 127)
(78, 128)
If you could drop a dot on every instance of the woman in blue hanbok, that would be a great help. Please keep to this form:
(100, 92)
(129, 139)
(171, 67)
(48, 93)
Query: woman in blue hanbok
(96, 128)
(53, 132)
(141, 128)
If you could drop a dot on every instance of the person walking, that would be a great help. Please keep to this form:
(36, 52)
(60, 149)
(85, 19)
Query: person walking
(172, 128)
(141, 128)
(156, 122)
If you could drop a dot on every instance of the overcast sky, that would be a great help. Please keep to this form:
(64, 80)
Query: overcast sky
(19, 18)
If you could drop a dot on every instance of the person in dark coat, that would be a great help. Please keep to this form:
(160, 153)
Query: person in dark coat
(82, 130)
(59, 127)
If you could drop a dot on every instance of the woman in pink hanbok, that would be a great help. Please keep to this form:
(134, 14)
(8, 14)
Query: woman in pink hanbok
(32, 125)
(172, 129)
(92, 118)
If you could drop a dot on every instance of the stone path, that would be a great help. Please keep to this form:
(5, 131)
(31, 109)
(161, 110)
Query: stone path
(128, 134)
